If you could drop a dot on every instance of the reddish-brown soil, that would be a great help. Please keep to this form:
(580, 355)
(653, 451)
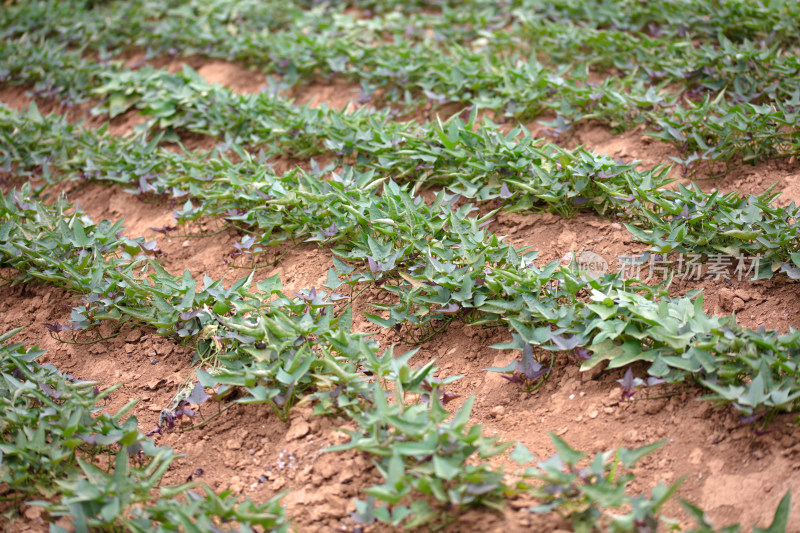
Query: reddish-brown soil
(734, 474)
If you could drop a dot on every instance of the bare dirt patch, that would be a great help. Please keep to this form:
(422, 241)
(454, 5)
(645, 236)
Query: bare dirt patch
(237, 78)
(337, 95)
(634, 145)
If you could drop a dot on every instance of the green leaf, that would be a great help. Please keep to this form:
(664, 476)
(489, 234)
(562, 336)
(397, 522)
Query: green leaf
(33, 113)
(8, 334)
(446, 468)
(630, 457)
(698, 515)
(755, 392)
(508, 369)
(521, 454)
(462, 416)
(741, 234)
(332, 281)
(567, 454)
(270, 285)
(780, 520)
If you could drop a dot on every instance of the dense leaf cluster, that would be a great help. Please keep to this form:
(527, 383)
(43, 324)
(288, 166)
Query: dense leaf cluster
(719, 80)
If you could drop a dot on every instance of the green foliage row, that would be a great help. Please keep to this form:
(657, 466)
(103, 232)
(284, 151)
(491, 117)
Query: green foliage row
(716, 79)
(593, 497)
(52, 431)
(737, 98)
(442, 265)
(513, 171)
(274, 351)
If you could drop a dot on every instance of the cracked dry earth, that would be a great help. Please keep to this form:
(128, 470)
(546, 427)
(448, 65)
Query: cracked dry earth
(732, 473)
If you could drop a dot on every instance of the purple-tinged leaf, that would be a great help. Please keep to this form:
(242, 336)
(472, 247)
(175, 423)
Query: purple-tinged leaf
(24, 206)
(183, 410)
(603, 175)
(579, 200)
(435, 98)
(145, 187)
(628, 383)
(49, 391)
(450, 309)
(528, 366)
(164, 229)
(480, 488)
(168, 417)
(582, 354)
(448, 397)
(504, 192)
(150, 246)
(565, 343)
(88, 439)
(198, 395)
(790, 270)
(373, 265)
(194, 475)
(654, 381)
(301, 339)
(363, 97)
(56, 326)
(750, 419)
(627, 380)
(244, 339)
(188, 315)
(307, 297)
(246, 243)
(331, 231)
